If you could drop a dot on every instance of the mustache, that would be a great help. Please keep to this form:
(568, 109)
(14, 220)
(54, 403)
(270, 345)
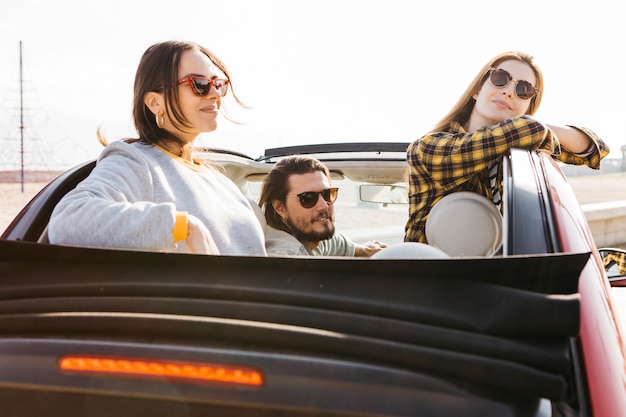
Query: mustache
(322, 216)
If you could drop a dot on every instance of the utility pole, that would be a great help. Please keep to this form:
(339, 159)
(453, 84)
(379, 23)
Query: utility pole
(21, 122)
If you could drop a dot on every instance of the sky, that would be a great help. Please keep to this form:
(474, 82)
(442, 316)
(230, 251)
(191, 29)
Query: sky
(321, 71)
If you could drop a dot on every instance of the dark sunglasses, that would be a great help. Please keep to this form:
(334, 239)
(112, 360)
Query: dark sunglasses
(310, 198)
(501, 78)
(202, 85)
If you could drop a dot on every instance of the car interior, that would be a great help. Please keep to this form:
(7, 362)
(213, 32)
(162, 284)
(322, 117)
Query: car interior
(378, 194)
(462, 224)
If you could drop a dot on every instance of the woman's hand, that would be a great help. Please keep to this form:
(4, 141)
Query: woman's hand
(199, 239)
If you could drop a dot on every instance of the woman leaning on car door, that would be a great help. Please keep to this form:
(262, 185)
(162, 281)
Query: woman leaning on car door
(149, 193)
(463, 151)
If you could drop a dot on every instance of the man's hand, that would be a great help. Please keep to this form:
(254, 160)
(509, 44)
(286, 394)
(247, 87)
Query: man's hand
(369, 248)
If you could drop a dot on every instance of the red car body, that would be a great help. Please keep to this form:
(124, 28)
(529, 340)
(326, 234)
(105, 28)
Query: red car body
(602, 337)
(533, 331)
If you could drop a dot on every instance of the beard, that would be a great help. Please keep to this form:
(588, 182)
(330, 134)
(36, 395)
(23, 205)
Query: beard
(311, 235)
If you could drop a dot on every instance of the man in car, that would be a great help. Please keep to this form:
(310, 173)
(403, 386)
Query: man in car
(299, 222)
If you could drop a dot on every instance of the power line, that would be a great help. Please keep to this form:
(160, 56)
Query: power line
(29, 139)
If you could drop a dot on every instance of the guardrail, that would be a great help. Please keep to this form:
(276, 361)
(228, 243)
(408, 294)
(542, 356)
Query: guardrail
(607, 222)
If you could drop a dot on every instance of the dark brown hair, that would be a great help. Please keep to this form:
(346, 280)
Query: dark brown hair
(158, 72)
(276, 184)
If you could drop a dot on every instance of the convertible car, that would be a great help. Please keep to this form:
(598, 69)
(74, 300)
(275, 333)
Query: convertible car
(500, 315)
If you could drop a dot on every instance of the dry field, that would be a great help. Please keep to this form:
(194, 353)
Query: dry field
(12, 199)
(588, 189)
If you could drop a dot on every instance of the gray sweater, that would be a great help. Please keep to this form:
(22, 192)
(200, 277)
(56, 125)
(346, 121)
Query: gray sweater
(130, 200)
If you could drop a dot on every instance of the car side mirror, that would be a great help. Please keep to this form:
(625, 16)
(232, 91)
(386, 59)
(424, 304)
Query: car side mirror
(385, 194)
(614, 261)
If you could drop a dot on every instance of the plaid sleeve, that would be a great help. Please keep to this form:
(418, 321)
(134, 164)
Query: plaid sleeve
(443, 162)
(452, 157)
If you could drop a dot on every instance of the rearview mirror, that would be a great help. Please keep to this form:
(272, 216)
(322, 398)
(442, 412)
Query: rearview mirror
(385, 194)
(614, 261)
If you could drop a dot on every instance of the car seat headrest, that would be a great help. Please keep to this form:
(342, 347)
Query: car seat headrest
(465, 223)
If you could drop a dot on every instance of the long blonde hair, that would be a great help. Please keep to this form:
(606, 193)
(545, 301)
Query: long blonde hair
(463, 108)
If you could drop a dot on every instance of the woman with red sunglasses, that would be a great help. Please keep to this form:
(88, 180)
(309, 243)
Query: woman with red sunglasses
(463, 151)
(149, 193)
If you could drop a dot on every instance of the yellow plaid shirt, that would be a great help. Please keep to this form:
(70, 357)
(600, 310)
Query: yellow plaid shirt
(441, 163)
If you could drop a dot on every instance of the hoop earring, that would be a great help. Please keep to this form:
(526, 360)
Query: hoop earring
(160, 119)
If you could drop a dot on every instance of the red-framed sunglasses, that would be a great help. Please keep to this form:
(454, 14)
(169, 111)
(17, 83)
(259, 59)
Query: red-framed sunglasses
(501, 78)
(309, 199)
(202, 85)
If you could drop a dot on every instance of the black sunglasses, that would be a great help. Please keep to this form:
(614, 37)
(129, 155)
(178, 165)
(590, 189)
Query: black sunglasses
(202, 85)
(501, 78)
(310, 198)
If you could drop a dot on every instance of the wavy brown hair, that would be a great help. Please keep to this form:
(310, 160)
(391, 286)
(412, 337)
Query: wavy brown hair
(276, 184)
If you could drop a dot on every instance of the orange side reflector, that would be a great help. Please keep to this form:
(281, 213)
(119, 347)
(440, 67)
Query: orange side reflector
(170, 369)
